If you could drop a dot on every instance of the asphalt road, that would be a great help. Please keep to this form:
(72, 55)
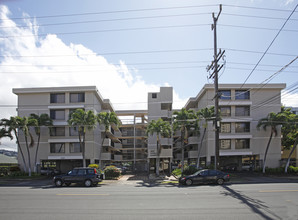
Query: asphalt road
(141, 200)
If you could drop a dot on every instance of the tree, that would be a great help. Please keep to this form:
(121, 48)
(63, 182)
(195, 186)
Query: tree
(273, 120)
(4, 133)
(207, 114)
(183, 121)
(12, 125)
(24, 125)
(107, 119)
(160, 128)
(82, 121)
(42, 120)
(289, 133)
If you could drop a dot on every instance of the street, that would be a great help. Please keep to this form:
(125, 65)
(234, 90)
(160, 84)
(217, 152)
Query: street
(138, 200)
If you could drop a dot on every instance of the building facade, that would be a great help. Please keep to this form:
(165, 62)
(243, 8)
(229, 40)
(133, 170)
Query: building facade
(241, 107)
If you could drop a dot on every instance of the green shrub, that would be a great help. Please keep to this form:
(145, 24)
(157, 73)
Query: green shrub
(18, 173)
(112, 172)
(176, 172)
(14, 169)
(293, 169)
(189, 170)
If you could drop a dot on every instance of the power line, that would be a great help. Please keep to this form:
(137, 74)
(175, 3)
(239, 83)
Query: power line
(269, 46)
(152, 51)
(144, 9)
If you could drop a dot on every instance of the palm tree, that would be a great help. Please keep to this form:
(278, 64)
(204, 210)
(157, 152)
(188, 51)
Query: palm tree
(107, 119)
(42, 120)
(160, 128)
(83, 121)
(183, 121)
(24, 126)
(12, 125)
(290, 133)
(273, 120)
(5, 133)
(207, 114)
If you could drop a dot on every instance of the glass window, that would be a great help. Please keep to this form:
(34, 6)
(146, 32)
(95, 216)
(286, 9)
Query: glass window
(225, 144)
(154, 95)
(241, 127)
(242, 111)
(81, 172)
(57, 147)
(57, 131)
(212, 172)
(77, 97)
(75, 148)
(57, 114)
(242, 94)
(225, 111)
(89, 171)
(58, 98)
(225, 127)
(73, 131)
(204, 173)
(242, 144)
(225, 94)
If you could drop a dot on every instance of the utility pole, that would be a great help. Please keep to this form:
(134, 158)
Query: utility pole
(214, 66)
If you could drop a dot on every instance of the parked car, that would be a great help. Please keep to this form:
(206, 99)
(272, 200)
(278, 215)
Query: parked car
(86, 176)
(49, 171)
(204, 177)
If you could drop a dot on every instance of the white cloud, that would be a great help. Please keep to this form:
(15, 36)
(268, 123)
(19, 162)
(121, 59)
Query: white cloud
(32, 61)
(289, 99)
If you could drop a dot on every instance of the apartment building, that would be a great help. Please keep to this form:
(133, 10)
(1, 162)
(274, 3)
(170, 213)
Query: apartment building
(241, 107)
(59, 146)
(160, 106)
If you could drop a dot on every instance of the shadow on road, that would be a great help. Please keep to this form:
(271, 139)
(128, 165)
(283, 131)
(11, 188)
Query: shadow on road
(257, 206)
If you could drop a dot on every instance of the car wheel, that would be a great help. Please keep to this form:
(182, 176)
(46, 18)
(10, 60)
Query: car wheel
(67, 184)
(220, 181)
(58, 182)
(188, 182)
(88, 183)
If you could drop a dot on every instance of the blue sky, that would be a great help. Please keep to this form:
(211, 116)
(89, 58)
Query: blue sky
(128, 48)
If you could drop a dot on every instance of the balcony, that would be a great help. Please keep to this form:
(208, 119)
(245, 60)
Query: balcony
(193, 140)
(106, 156)
(166, 141)
(107, 142)
(193, 154)
(118, 146)
(118, 157)
(166, 153)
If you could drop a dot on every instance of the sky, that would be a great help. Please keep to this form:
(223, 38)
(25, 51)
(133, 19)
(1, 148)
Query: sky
(128, 48)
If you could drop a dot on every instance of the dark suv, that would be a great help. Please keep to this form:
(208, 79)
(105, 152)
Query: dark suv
(86, 176)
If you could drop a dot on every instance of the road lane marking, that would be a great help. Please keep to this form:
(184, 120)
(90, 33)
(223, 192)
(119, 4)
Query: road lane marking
(290, 190)
(82, 194)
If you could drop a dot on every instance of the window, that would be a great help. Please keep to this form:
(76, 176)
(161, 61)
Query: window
(75, 148)
(73, 131)
(241, 127)
(57, 131)
(57, 147)
(58, 98)
(225, 144)
(225, 127)
(242, 111)
(77, 97)
(225, 111)
(166, 106)
(57, 114)
(242, 94)
(225, 94)
(154, 95)
(81, 172)
(242, 144)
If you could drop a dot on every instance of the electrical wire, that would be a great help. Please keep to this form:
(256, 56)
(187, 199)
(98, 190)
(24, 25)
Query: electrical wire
(269, 46)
